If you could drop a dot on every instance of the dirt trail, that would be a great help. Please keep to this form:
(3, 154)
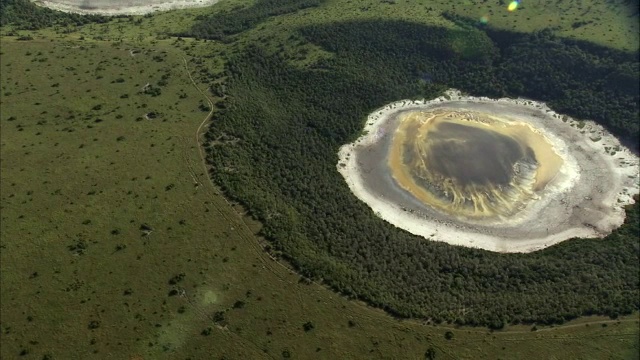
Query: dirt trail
(211, 192)
(205, 166)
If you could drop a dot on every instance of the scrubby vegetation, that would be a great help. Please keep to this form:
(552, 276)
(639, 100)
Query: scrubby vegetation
(291, 122)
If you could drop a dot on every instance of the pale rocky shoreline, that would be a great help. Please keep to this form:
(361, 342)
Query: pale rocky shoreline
(599, 178)
(122, 8)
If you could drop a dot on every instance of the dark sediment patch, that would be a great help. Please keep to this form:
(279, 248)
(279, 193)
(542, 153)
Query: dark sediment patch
(472, 156)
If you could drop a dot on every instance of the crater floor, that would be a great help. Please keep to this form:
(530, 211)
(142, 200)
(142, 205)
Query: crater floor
(469, 164)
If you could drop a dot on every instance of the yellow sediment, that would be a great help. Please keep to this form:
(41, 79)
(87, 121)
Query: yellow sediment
(485, 201)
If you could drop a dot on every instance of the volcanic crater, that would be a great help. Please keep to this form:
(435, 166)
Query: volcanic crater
(507, 175)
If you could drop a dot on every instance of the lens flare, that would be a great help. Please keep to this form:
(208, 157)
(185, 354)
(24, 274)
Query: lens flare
(484, 20)
(513, 5)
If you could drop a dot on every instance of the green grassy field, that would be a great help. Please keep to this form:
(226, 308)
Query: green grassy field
(114, 243)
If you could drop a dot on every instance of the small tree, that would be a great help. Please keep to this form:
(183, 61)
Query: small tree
(218, 317)
(308, 326)
(430, 354)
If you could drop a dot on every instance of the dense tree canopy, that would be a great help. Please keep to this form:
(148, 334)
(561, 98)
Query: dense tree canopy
(288, 122)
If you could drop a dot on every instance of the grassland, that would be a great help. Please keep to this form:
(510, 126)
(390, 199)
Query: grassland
(611, 23)
(106, 203)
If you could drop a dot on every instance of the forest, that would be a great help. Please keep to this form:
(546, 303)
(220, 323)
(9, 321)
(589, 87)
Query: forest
(222, 24)
(289, 122)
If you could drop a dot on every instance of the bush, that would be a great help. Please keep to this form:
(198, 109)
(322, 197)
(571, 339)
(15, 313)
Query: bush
(308, 326)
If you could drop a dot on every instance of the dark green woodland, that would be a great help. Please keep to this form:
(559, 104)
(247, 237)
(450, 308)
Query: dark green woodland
(273, 147)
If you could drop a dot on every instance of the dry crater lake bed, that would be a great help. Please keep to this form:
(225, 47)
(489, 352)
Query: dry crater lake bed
(507, 175)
